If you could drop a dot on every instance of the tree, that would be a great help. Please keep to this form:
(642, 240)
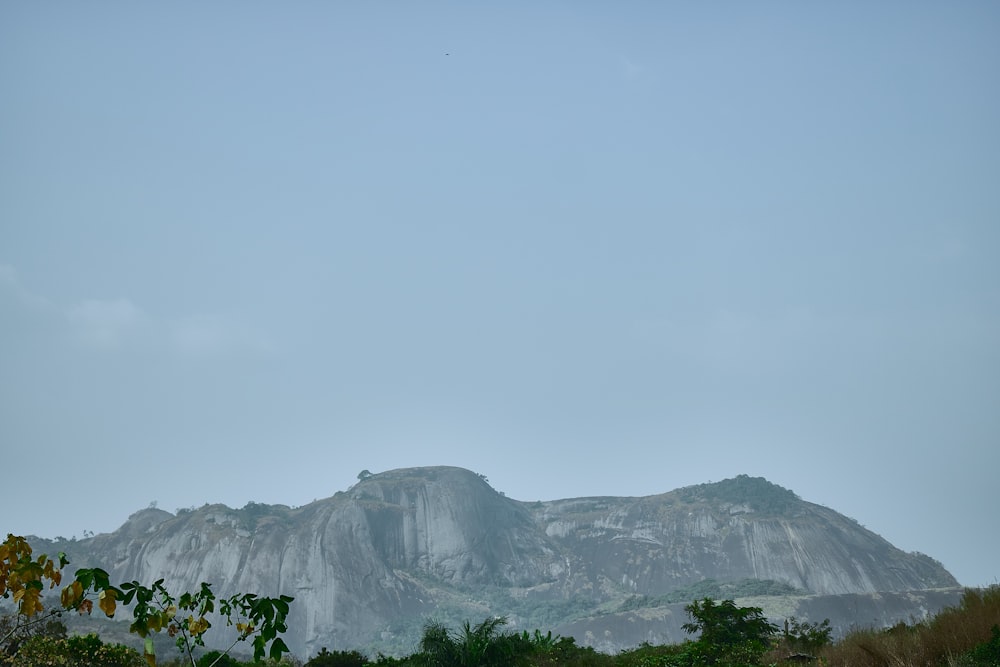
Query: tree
(327, 658)
(23, 578)
(804, 636)
(259, 619)
(728, 632)
(479, 646)
(364, 474)
(16, 633)
(185, 616)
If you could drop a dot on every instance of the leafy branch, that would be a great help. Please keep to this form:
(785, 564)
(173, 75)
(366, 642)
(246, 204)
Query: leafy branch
(259, 619)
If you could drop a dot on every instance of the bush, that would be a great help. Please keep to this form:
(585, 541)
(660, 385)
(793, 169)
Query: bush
(14, 632)
(77, 651)
(956, 633)
(806, 637)
(986, 654)
(218, 659)
(43, 651)
(337, 658)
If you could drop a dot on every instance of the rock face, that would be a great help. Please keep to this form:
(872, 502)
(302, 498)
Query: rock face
(368, 566)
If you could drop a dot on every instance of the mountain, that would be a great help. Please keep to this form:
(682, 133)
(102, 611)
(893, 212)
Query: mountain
(369, 566)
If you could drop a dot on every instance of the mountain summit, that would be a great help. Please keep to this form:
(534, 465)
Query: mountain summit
(368, 566)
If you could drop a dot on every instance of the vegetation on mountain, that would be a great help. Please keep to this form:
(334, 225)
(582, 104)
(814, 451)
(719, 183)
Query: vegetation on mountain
(710, 588)
(253, 513)
(756, 493)
(967, 635)
(446, 546)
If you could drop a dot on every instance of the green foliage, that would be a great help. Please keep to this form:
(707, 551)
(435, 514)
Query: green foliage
(23, 578)
(755, 492)
(806, 637)
(727, 632)
(482, 645)
(259, 618)
(39, 651)
(710, 588)
(986, 654)
(15, 631)
(327, 658)
(649, 655)
(458, 604)
(77, 651)
(731, 637)
(220, 659)
(546, 649)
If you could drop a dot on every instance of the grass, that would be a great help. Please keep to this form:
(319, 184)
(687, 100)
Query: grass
(943, 641)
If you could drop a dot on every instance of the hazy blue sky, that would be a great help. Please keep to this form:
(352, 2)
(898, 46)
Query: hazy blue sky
(250, 249)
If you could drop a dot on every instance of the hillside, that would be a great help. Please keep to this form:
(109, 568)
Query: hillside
(368, 566)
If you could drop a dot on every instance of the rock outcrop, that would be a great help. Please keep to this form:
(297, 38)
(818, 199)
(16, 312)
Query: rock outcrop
(369, 565)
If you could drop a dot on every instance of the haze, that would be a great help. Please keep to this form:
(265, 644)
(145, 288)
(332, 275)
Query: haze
(250, 249)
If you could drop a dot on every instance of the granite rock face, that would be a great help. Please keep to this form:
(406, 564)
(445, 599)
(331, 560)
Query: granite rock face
(403, 545)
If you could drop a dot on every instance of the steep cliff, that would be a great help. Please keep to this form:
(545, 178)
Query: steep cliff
(368, 566)
(743, 528)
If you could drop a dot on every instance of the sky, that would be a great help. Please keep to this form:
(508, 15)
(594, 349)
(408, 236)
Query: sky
(250, 249)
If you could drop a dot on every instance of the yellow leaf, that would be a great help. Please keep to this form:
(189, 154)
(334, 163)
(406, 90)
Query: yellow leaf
(71, 595)
(197, 627)
(106, 600)
(31, 604)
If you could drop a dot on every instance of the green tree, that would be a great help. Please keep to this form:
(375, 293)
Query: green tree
(258, 619)
(727, 632)
(806, 637)
(327, 658)
(480, 646)
(218, 659)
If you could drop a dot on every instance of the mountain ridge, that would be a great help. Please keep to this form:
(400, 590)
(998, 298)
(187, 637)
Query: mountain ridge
(369, 565)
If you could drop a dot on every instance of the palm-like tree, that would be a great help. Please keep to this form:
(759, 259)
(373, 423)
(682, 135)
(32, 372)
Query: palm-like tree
(480, 646)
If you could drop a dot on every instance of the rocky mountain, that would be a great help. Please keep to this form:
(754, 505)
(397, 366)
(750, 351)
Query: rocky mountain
(369, 566)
